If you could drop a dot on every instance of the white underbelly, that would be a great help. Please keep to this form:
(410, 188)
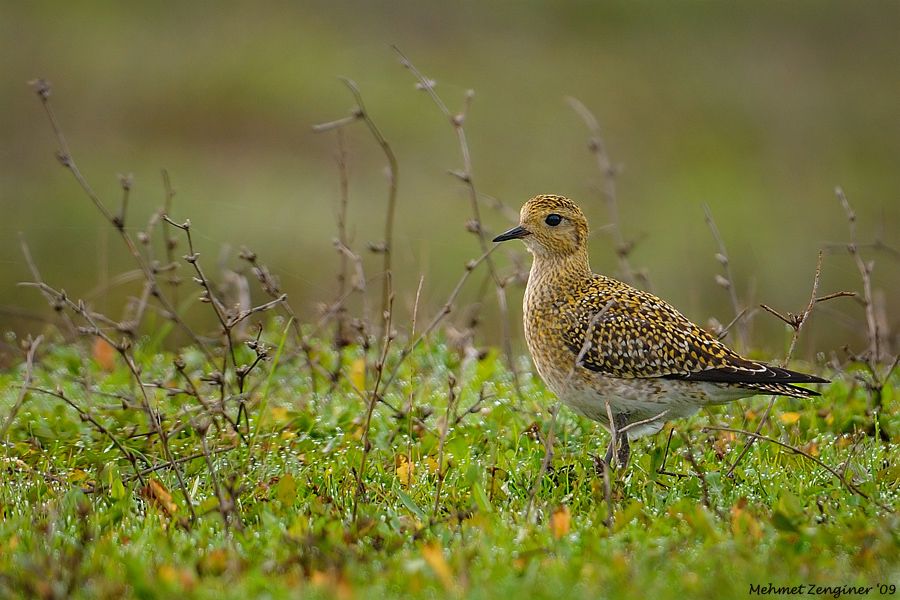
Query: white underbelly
(657, 399)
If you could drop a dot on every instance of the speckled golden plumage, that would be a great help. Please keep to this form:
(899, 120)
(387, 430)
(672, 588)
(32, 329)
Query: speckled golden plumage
(596, 340)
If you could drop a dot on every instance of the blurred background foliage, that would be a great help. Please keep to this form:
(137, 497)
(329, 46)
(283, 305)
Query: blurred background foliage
(758, 109)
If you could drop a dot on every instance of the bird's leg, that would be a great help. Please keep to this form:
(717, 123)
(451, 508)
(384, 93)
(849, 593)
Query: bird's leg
(602, 465)
(624, 451)
(618, 443)
(662, 468)
(609, 452)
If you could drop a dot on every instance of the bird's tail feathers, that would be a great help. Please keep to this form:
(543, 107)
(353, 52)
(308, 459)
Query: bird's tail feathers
(781, 389)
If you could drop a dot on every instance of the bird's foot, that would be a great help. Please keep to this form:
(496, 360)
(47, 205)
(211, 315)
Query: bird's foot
(620, 451)
(624, 452)
(661, 470)
(601, 465)
(618, 445)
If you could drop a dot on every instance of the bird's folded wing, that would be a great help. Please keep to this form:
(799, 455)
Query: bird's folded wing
(635, 334)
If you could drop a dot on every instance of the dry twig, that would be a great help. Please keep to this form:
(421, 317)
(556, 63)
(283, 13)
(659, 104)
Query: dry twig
(452, 397)
(466, 175)
(845, 482)
(865, 272)
(360, 113)
(31, 349)
(373, 400)
(796, 322)
(65, 157)
(727, 282)
(545, 463)
(609, 171)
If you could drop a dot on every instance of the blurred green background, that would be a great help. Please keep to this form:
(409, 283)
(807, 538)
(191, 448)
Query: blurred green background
(758, 109)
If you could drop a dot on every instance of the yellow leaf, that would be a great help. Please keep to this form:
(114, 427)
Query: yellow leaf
(789, 418)
(210, 504)
(560, 521)
(116, 489)
(298, 528)
(432, 464)
(434, 556)
(104, 354)
(279, 415)
(77, 475)
(406, 471)
(743, 524)
(157, 494)
(333, 581)
(214, 562)
(358, 373)
(167, 573)
(286, 490)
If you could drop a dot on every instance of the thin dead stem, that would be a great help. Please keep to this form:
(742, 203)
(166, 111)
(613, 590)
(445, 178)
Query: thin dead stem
(842, 479)
(452, 397)
(701, 475)
(58, 308)
(545, 463)
(123, 348)
(32, 346)
(877, 358)
(360, 113)
(865, 272)
(373, 400)
(796, 322)
(644, 421)
(727, 281)
(436, 320)
(341, 338)
(270, 285)
(65, 157)
(466, 175)
(609, 172)
(169, 241)
(582, 352)
(85, 415)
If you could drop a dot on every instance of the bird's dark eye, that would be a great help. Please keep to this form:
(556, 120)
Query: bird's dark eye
(553, 220)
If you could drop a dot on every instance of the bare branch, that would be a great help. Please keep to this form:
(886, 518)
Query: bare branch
(452, 397)
(865, 272)
(846, 483)
(43, 90)
(796, 322)
(360, 113)
(457, 121)
(609, 172)
(728, 280)
(23, 391)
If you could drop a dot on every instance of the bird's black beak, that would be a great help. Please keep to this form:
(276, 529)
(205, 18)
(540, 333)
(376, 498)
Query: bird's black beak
(515, 233)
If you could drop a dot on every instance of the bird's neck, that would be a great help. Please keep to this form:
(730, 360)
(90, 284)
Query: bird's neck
(556, 272)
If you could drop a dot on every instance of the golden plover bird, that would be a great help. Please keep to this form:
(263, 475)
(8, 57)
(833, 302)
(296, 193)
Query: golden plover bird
(613, 352)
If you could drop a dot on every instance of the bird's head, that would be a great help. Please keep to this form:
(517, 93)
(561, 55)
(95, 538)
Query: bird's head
(550, 226)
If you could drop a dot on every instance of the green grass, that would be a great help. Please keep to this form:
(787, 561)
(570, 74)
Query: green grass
(74, 520)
